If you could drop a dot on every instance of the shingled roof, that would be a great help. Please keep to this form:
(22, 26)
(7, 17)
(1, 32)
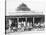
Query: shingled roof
(23, 7)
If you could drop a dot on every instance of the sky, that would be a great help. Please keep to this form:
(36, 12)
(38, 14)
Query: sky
(34, 5)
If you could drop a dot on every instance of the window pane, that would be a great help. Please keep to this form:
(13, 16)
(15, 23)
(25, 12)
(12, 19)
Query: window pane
(21, 19)
(38, 19)
(30, 19)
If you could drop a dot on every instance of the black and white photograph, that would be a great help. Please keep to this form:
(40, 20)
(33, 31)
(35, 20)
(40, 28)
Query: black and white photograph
(24, 16)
